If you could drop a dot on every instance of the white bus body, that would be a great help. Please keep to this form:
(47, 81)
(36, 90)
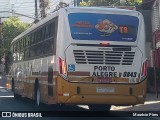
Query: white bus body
(97, 51)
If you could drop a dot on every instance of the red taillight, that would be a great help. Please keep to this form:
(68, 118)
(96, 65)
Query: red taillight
(104, 44)
(62, 66)
(144, 68)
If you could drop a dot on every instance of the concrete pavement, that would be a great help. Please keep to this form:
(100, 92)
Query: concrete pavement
(152, 103)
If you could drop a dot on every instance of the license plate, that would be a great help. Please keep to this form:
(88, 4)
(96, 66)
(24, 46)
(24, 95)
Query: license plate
(104, 79)
(105, 90)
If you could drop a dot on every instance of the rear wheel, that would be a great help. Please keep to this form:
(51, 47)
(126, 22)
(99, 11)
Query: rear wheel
(37, 95)
(94, 107)
(16, 96)
(12, 85)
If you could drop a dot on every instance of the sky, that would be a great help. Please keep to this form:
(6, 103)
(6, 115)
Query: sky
(26, 7)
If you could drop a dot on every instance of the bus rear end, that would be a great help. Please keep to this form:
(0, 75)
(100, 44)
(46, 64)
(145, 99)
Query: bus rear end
(105, 63)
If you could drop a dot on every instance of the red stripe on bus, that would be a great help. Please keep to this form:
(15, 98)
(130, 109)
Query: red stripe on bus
(60, 94)
(55, 72)
(79, 73)
(46, 73)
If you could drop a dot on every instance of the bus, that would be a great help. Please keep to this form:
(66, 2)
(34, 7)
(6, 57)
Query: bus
(82, 56)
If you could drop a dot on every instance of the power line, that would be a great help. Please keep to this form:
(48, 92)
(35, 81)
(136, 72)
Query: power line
(18, 14)
(26, 6)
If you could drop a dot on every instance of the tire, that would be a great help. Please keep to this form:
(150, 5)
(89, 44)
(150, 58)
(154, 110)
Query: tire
(16, 96)
(37, 95)
(94, 107)
(12, 85)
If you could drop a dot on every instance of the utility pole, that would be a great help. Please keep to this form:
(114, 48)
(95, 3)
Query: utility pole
(12, 8)
(75, 3)
(17, 14)
(36, 12)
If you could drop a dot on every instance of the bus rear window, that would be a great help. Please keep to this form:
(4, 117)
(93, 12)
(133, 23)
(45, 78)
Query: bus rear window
(103, 27)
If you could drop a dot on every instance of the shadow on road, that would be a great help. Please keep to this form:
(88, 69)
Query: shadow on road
(152, 103)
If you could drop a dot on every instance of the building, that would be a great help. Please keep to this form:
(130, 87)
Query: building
(156, 32)
(154, 54)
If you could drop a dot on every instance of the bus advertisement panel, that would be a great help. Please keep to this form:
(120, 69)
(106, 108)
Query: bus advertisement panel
(103, 27)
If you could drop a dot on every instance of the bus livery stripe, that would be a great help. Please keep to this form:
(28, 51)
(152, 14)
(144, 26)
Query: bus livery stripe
(79, 73)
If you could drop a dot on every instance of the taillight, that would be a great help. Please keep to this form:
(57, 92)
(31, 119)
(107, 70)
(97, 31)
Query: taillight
(62, 66)
(104, 44)
(144, 68)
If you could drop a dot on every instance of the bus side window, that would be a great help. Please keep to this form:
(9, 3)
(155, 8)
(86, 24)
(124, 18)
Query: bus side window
(35, 37)
(55, 28)
(32, 51)
(39, 49)
(49, 27)
(28, 53)
(28, 39)
(47, 32)
(19, 45)
(43, 33)
(24, 43)
(32, 38)
(52, 30)
(39, 35)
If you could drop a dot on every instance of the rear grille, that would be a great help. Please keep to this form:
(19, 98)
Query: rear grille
(103, 57)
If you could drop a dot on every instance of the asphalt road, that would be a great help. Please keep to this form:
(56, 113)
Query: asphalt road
(23, 106)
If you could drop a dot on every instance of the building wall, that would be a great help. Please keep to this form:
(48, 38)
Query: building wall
(155, 16)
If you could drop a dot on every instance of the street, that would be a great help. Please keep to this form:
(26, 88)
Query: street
(102, 54)
(23, 105)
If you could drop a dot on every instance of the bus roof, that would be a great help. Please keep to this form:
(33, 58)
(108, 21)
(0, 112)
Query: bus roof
(74, 9)
(100, 8)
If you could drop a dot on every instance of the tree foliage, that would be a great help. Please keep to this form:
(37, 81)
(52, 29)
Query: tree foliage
(131, 3)
(61, 5)
(98, 3)
(11, 28)
(45, 3)
(110, 3)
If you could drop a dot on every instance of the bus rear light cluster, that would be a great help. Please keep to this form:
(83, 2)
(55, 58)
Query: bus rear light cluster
(62, 66)
(144, 68)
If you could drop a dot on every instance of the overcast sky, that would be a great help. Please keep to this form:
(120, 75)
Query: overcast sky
(26, 7)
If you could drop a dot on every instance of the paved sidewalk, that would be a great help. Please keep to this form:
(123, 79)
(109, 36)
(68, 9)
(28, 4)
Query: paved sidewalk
(152, 103)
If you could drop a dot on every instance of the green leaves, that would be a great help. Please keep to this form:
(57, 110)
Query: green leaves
(11, 28)
(110, 3)
(99, 3)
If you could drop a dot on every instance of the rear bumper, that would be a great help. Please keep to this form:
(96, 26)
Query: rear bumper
(102, 99)
(86, 93)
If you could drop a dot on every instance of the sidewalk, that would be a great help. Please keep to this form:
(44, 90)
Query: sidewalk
(152, 103)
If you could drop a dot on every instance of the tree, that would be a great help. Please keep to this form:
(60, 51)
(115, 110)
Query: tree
(99, 3)
(61, 5)
(131, 3)
(44, 6)
(11, 28)
(110, 3)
